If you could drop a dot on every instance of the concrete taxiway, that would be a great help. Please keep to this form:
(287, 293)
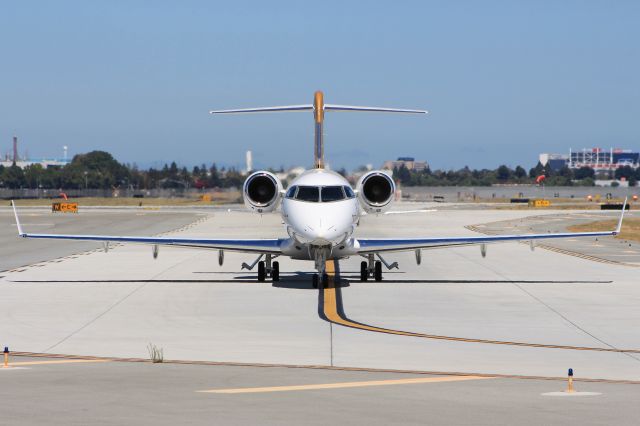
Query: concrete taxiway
(67, 392)
(515, 312)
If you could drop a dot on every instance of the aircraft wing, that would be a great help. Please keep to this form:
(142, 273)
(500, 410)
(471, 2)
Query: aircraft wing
(270, 246)
(376, 245)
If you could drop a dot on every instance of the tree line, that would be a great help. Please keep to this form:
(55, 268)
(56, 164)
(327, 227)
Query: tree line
(584, 176)
(99, 170)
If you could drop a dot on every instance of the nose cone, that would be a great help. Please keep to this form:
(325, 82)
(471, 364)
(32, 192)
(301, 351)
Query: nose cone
(326, 234)
(320, 224)
(314, 230)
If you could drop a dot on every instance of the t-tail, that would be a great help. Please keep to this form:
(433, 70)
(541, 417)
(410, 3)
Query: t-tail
(319, 108)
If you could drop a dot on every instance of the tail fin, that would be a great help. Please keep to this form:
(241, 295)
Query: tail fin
(318, 107)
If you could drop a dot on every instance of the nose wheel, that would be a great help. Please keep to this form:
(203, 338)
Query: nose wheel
(315, 280)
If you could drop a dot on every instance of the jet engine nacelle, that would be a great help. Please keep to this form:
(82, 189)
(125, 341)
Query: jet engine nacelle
(376, 191)
(261, 192)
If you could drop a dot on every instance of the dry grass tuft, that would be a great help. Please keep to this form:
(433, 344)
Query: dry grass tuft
(155, 354)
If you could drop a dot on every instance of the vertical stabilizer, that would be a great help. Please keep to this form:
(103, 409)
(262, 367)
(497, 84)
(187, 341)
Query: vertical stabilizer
(319, 108)
(318, 142)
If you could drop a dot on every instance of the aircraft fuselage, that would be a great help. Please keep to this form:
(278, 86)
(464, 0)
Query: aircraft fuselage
(320, 211)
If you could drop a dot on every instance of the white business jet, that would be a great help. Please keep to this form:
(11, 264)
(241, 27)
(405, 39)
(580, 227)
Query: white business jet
(320, 211)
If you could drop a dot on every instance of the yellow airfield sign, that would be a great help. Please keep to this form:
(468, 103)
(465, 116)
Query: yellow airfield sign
(64, 207)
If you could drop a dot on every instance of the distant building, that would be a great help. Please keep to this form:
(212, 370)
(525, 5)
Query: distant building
(554, 162)
(409, 162)
(44, 163)
(595, 158)
(23, 161)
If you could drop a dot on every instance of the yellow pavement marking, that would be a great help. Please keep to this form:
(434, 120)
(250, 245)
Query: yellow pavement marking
(330, 309)
(57, 361)
(347, 384)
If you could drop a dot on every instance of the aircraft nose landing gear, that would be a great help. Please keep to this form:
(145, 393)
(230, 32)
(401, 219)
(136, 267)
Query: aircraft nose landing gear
(316, 280)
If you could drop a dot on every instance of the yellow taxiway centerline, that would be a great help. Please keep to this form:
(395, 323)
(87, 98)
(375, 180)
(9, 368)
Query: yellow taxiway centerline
(346, 384)
(331, 307)
(331, 312)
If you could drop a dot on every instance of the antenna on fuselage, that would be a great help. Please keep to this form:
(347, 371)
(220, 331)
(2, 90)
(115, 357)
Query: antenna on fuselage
(318, 107)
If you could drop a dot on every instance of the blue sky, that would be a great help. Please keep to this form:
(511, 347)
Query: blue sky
(504, 80)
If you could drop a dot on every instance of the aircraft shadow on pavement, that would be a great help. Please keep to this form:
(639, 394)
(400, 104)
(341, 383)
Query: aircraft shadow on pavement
(302, 281)
(356, 278)
(89, 281)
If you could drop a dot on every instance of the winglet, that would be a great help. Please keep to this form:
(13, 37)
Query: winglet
(15, 212)
(624, 207)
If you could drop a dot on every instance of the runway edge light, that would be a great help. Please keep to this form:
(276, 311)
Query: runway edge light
(6, 357)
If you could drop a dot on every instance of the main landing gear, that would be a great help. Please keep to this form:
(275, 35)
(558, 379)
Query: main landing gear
(263, 272)
(373, 268)
(365, 272)
(266, 268)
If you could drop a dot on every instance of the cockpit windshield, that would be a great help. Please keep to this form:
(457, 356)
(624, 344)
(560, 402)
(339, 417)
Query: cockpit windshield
(315, 194)
(308, 193)
(332, 193)
(349, 192)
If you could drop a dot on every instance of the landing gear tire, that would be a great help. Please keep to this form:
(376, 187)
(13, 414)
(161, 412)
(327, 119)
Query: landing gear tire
(275, 272)
(262, 271)
(315, 280)
(364, 272)
(325, 280)
(377, 274)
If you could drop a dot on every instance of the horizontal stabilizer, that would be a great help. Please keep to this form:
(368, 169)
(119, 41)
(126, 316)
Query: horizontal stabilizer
(318, 108)
(264, 109)
(332, 107)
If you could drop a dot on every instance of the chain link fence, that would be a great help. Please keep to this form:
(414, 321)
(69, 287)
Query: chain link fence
(16, 194)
